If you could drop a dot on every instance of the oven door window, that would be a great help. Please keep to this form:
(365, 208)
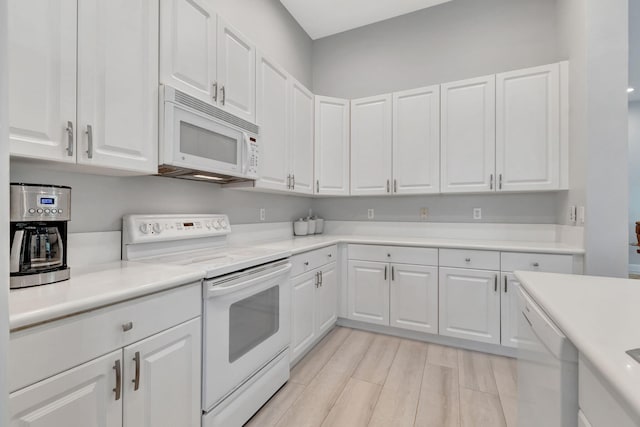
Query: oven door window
(208, 144)
(252, 321)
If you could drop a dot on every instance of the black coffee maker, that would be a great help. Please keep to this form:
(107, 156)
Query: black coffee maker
(39, 217)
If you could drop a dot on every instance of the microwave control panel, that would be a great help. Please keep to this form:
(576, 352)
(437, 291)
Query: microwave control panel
(253, 155)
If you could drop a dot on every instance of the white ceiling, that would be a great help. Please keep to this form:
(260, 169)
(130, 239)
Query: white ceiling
(321, 18)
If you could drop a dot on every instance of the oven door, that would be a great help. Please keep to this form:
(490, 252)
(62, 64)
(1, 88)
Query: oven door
(246, 325)
(195, 141)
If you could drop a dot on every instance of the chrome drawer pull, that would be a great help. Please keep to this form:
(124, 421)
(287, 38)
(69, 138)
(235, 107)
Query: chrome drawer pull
(535, 264)
(118, 388)
(127, 326)
(136, 380)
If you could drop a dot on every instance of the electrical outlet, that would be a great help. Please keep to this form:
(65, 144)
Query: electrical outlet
(370, 214)
(477, 213)
(581, 213)
(263, 214)
(424, 214)
(573, 214)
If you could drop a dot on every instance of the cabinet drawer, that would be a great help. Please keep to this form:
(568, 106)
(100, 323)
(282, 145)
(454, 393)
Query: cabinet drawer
(512, 261)
(311, 260)
(42, 351)
(399, 254)
(461, 258)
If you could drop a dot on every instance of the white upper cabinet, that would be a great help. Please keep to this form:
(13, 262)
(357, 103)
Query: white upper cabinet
(118, 84)
(416, 141)
(188, 47)
(468, 136)
(236, 65)
(42, 79)
(301, 138)
(528, 129)
(273, 119)
(371, 145)
(332, 146)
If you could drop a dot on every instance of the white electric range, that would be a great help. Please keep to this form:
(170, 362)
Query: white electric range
(246, 307)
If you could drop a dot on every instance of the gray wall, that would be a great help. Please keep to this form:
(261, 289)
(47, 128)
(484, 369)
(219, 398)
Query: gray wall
(501, 208)
(634, 178)
(99, 202)
(268, 24)
(452, 41)
(4, 218)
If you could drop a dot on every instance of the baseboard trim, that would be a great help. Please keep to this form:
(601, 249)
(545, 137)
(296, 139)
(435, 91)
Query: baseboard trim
(429, 338)
(634, 268)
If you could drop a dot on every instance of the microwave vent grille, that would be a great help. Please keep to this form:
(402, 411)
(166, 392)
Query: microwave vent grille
(213, 111)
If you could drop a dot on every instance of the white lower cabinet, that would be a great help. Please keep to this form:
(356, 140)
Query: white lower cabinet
(509, 310)
(368, 296)
(470, 304)
(80, 397)
(162, 379)
(414, 297)
(314, 298)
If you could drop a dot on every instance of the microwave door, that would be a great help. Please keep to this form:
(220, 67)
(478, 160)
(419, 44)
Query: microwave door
(205, 144)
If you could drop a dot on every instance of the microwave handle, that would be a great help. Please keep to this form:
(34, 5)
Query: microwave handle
(245, 163)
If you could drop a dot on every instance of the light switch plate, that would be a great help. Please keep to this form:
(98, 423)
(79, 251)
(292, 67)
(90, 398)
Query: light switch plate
(370, 214)
(424, 214)
(262, 214)
(477, 213)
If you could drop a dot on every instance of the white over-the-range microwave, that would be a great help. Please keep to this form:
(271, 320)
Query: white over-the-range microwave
(202, 142)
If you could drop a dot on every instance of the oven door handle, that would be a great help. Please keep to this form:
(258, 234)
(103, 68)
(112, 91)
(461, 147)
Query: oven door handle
(239, 284)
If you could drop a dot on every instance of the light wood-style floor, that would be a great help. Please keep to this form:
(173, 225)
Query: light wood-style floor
(355, 378)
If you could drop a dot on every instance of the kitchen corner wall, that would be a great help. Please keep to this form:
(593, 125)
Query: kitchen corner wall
(98, 202)
(634, 182)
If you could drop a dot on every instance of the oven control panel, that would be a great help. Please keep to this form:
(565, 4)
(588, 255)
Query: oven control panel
(155, 228)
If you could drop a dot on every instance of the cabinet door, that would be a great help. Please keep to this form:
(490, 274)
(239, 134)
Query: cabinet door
(371, 145)
(236, 72)
(509, 310)
(414, 297)
(42, 79)
(188, 47)
(118, 84)
(416, 141)
(166, 368)
(301, 138)
(80, 397)
(327, 299)
(468, 136)
(332, 146)
(528, 129)
(469, 304)
(368, 292)
(273, 119)
(303, 290)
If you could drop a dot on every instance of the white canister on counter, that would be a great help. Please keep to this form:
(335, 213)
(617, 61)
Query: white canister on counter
(300, 227)
(319, 225)
(312, 225)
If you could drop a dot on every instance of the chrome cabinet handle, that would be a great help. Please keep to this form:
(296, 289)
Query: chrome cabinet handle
(317, 279)
(393, 273)
(293, 182)
(467, 259)
(500, 182)
(388, 255)
(535, 264)
(505, 284)
(321, 279)
(289, 182)
(214, 91)
(495, 283)
(127, 326)
(224, 94)
(330, 255)
(118, 389)
(89, 133)
(136, 380)
(385, 272)
(306, 263)
(395, 185)
(388, 186)
(317, 186)
(69, 130)
(491, 182)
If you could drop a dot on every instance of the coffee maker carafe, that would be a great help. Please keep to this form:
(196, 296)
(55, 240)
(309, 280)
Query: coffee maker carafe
(38, 234)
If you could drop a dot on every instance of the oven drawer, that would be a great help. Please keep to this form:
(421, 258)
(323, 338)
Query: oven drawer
(463, 258)
(548, 263)
(398, 254)
(74, 340)
(311, 260)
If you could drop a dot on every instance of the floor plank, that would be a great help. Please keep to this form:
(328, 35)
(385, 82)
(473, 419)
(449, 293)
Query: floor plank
(317, 399)
(375, 365)
(439, 404)
(398, 400)
(273, 410)
(315, 360)
(354, 406)
(476, 372)
(443, 356)
(505, 371)
(478, 409)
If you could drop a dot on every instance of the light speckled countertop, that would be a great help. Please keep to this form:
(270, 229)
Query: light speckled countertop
(600, 316)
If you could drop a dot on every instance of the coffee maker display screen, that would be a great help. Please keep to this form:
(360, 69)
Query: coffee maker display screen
(47, 201)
